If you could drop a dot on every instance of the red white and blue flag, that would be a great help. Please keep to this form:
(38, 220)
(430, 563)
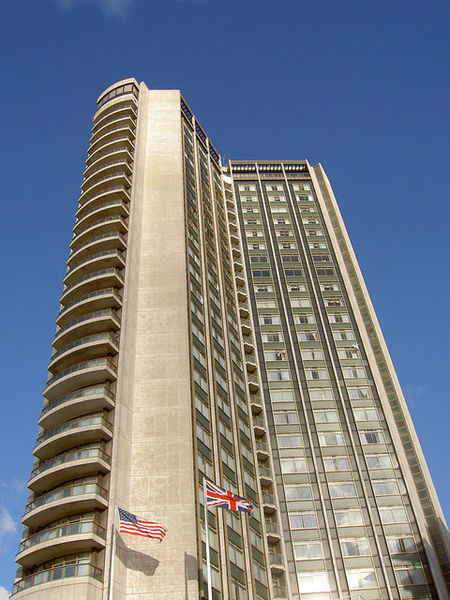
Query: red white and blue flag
(217, 496)
(129, 523)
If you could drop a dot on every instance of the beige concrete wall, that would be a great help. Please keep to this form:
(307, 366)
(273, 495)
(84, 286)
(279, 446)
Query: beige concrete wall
(155, 480)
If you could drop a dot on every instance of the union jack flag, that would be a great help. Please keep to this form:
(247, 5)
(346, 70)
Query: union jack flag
(217, 496)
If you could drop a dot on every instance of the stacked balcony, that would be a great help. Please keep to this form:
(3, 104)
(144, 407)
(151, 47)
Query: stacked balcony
(66, 514)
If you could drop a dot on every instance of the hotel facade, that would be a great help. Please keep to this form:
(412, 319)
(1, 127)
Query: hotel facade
(214, 323)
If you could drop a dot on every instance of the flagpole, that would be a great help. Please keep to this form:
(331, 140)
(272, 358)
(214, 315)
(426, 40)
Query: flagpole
(113, 552)
(208, 558)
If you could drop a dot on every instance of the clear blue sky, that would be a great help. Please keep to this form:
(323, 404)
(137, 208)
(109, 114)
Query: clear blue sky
(360, 86)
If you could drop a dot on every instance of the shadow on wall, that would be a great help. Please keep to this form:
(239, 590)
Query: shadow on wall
(134, 560)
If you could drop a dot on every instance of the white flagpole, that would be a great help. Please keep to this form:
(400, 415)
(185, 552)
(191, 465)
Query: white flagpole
(208, 558)
(113, 552)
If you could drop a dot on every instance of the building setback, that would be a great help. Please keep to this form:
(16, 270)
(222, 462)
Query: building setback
(214, 323)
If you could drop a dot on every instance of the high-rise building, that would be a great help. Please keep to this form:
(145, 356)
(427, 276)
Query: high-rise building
(214, 323)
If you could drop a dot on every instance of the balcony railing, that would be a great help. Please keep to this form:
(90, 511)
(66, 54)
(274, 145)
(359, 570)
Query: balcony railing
(111, 204)
(110, 271)
(97, 419)
(60, 531)
(110, 190)
(58, 573)
(95, 390)
(71, 456)
(97, 238)
(103, 254)
(103, 292)
(99, 314)
(90, 364)
(98, 337)
(66, 491)
(101, 222)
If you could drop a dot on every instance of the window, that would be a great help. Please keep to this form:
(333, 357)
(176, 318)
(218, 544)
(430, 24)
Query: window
(354, 373)
(298, 492)
(276, 198)
(284, 232)
(260, 259)
(293, 272)
(359, 392)
(266, 304)
(307, 550)
(247, 188)
(321, 394)
(365, 414)
(331, 439)
(273, 355)
(316, 374)
(315, 245)
(331, 302)
(281, 221)
(278, 375)
(326, 416)
(385, 488)
(279, 209)
(355, 547)
(361, 578)
(307, 336)
(316, 581)
(329, 287)
(290, 441)
(285, 418)
(293, 465)
(379, 461)
(296, 287)
(342, 490)
(269, 320)
(290, 258)
(348, 518)
(312, 354)
(252, 222)
(314, 233)
(281, 395)
(257, 246)
(259, 273)
(287, 245)
(272, 337)
(393, 514)
(339, 318)
(300, 302)
(304, 319)
(401, 544)
(346, 334)
(348, 353)
(372, 437)
(318, 258)
(254, 233)
(409, 575)
(303, 520)
(274, 188)
(337, 463)
(263, 288)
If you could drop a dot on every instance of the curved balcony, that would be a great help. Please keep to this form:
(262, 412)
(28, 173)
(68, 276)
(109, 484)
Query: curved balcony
(57, 574)
(246, 326)
(249, 348)
(117, 206)
(92, 262)
(256, 404)
(121, 122)
(240, 281)
(242, 297)
(238, 267)
(111, 224)
(78, 462)
(120, 132)
(105, 278)
(236, 252)
(94, 245)
(253, 384)
(115, 192)
(113, 179)
(97, 300)
(63, 539)
(259, 426)
(272, 532)
(86, 348)
(265, 476)
(75, 497)
(105, 168)
(88, 324)
(262, 450)
(93, 398)
(115, 112)
(269, 504)
(84, 430)
(81, 375)
(250, 366)
(110, 146)
(276, 562)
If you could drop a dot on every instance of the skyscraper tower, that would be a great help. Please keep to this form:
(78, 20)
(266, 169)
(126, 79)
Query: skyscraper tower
(214, 324)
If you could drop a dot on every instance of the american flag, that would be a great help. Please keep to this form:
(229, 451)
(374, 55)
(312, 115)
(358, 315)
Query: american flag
(217, 496)
(129, 523)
